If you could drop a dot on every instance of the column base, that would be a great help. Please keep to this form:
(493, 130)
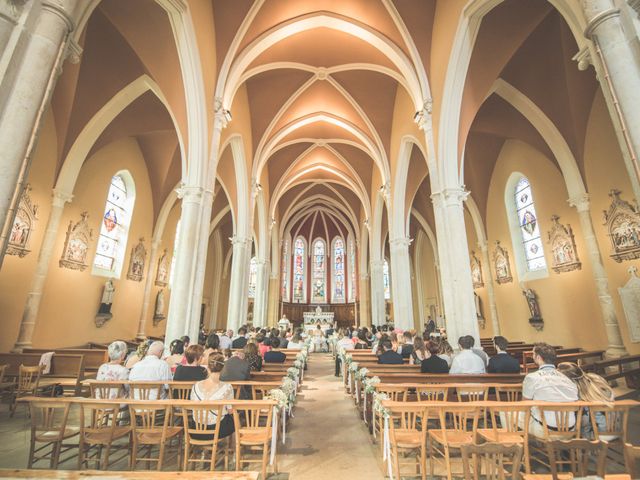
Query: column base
(20, 346)
(616, 351)
(141, 336)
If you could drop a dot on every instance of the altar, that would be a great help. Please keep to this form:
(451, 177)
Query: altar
(325, 319)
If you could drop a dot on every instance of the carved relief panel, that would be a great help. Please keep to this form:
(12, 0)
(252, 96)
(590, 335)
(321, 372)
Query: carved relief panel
(501, 264)
(137, 262)
(23, 224)
(76, 245)
(563, 247)
(623, 225)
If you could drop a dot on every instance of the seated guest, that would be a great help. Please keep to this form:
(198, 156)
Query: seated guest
(225, 340)
(236, 368)
(139, 354)
(213, 388)
(445, 351)
(186, 341)
(113, 370)
(591, 388)
(252, 357)
(264, 345)
(389, 357)
(360, 341)
(502, 362)
(284, 341)
(151, 368)
(479, 351)
(241, 340)
(344, 341)
(433, 363)
(176, 350)
(466, 362)
(275, 355)
(212, 345)
(419, 352)
(192, 370)
(407, 345)
(546, 384)
(295, 343)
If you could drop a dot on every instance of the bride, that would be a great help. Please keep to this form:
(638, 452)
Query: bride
(319, 340)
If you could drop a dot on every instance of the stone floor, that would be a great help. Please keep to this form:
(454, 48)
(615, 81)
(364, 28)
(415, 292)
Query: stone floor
(326, 439)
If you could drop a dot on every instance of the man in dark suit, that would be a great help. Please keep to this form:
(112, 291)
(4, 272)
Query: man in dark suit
(274, 356)
(502, 362)
(389, 357)
(235, 369)
(241, 340)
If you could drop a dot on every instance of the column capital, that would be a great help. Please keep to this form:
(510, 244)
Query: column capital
(583, 58)
(221, 115)
(483, 245)
(74, 51)
(580, 202)
(242, 241)
(423, 116)
(189, 193)
(377, 263)
(597, 12)
(401, 241)
(61, 197)
(63, 9)
(450, 196)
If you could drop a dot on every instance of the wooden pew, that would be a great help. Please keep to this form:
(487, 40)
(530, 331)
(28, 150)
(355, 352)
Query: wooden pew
(623, 367)
(584, 359)
(93, 358)
(66, 370)
(447, 378)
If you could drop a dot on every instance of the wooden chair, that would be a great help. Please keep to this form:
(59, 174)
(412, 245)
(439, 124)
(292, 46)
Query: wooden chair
(567, 419)
(27, 386)
(178, 392)
(474, 392)
(614, 419)
(199, 438)
(107, 390)
(461, 430)
(396, 393)
(146, 390)
(578, 455)
(408, 435)
(631, 458)
(253, 433)
(150, 428)
(49, 429)
(489, 461)
(99, 429)
(509, 393)
(510, 426)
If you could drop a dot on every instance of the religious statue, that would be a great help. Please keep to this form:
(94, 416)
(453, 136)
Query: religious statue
(318, 310)
(534, 309)
(476, 271)
(158, 314)
(162, 273)
(479, 314)
(104, 311)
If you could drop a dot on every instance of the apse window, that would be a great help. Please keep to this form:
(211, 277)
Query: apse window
(338, 271)
(285, 271)
(114, 229)
(253, 277)
(386, 280)
(525, 230)
(352, 273)
(319, 269)
(299, 252)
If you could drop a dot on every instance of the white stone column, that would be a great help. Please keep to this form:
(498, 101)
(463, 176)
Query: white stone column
(237, 313)
(148, 288)
(178, 323)
(401, 285)
(619, 53)
(32, 305)
(377, 293)
(31, 90)
(262, 290)
(274, 299)
(615, 346)
(453, 251)
(488, 274)
(363, 298)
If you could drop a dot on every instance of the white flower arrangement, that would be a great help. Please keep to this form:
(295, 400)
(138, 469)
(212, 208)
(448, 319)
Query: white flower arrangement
(298, 364)
(293, 373)
(280, 397)
(288, 386)
(353, 366)
(377, 404)
(362, 374)
(370, 384)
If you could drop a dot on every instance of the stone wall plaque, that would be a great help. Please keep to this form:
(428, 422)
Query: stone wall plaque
(162, 273)
(23, 224)
(137, 261)
(623, 225)
(501, 264)
(630, 296)
(563, 247)
(76, 245)
(476, 271)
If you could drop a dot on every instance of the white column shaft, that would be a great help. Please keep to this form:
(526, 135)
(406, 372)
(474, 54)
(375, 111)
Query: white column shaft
(237, 313)
(262, 290)
(377, 293)
(401, 284)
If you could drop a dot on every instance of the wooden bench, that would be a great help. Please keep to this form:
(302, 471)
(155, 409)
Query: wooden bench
(66, 370)
(93, 358)
(623, 367)
(447, 378)
(584, 359)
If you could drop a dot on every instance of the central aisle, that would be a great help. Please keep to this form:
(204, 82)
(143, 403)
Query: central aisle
(326, 439)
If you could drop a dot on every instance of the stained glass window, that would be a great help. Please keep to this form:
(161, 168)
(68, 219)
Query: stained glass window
(529, 228)
(386, 280)
(285, 271)
(253, 277)
(114, 228)
(339, 277)
(319, 272)
(352, 270)
(298, 270)
(176, 239)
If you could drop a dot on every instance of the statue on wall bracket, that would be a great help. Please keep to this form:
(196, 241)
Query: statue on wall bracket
(479, 314)
(23, 224)
(137, 261)
(623, 225)
(534, 309)
(76, 245)
(162, 273)
(104, 311)
(563, 247)
(501, 264)
(476, 271)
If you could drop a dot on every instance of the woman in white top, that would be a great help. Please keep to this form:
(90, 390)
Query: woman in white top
(295, 343)
(213, 389)
(114, 371)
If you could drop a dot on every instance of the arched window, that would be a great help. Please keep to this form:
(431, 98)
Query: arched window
(299, 266)
(352, 270)
(339, 276)
(285, 271)
(253, 277)
(319, 272)
(386, 281)
(525, 229)
(112, 242)
(176, 239)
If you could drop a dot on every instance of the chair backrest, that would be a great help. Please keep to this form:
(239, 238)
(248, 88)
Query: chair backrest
(395, 393)
(581, 454)
(509, 393)
(462, 418)
(197, 418)
(28, 378)
(472, 393)
(511, 417)
(408, 416)
(631, 458)
(107, 390)
(258, 392)
(491, 461)
(612, 420)
(3, 370)
(252, 416)
(567, 421)
(50, 417)
(149, 419)
(432, 393)
(146, 390)
(180, 392)
(98, 418)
